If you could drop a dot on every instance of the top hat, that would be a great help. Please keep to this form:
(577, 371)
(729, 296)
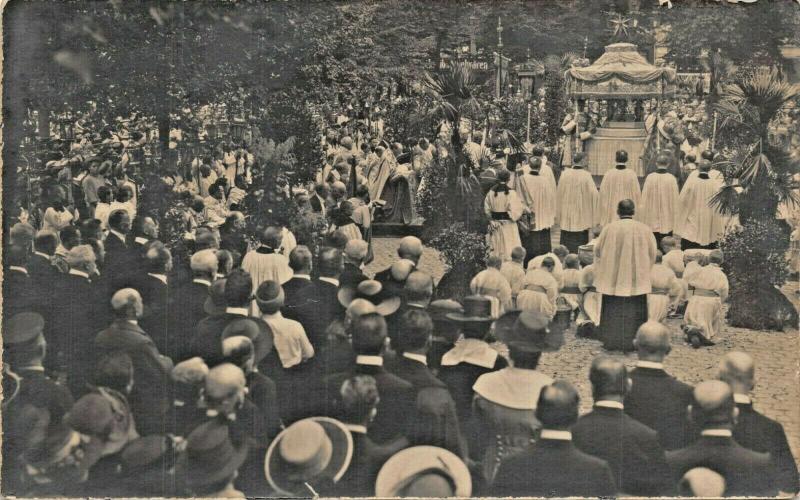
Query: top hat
(210, 455)
(477, 309)
(406, 467)
(373, 291)
(307, 452)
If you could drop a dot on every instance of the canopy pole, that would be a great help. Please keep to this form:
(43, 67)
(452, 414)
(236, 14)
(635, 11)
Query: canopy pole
(577, 125)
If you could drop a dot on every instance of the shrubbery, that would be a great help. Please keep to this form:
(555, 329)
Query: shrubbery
(464, 252)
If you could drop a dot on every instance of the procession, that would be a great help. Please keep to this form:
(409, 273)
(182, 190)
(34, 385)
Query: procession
(267, 249)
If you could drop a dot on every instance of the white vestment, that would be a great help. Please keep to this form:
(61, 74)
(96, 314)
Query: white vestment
(576, 207)
(664, 286)
(570, 287)
(592, 300)
(515, 275)
(623, 256)
(266, 267)
(697, 221)
(539, 293)
(539, 196)
(706, 311)
(503, 235)
(618, 184)
(674, 260)
(491, 283)
(558, 269)
(659, 202)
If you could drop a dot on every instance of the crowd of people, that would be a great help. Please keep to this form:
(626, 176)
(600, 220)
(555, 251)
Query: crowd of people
(270, 368)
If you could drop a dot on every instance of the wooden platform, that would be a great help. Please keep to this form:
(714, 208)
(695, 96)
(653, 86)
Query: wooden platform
(602, 148)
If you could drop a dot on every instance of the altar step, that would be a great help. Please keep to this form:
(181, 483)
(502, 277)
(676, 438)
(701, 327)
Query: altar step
(621, 133)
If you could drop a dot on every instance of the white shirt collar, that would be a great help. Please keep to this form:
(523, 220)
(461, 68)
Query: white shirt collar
(42, 254)
(650, 364)
(609, 404)
(332, 281)
(140, 240)
(161, 277)
(361, 429)
(302, 276)
(276, 315)
(133, 322)
(557, 435)
(201, 281)
(117, 234)
(241, 311)
(78, 272)
(18, 268)
(416, 357)
(742, 399)
(717, 432)
(369, 360)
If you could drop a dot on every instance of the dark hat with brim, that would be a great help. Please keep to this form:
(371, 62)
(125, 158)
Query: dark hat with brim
(290, 479)
(527, 331)
(477, 309)
(210, 455)
(257, 331)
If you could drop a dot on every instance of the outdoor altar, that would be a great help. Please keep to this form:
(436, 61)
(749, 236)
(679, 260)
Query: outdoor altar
(615, 96)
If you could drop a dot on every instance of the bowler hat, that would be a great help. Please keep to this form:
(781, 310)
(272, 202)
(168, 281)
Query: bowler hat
(22, 328)
(477, 309)
(307, 452)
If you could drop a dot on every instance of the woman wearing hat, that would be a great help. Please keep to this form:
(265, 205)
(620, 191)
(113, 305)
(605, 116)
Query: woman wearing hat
(503, 208)
(505, 400)
(471, 356)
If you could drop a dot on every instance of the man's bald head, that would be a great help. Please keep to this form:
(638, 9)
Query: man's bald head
(713, 404)
(410, 248)
(558, 405)
(418, 288)
(652, 341)
(518, 254)
(609, 377)
(338, 190)
(738, 370)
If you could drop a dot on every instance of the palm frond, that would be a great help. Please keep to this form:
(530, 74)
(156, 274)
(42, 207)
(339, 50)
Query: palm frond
(726, 201)
(754, 168)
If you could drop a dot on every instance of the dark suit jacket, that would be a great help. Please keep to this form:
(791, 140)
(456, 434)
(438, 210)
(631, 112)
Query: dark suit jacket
(207, 339)
(630, 448)
(746, 472)
(553, 468)
(155, 295)
(323, 309)
(396, 401)
(436, 421)
(149, 398)
(19, 293)
(759, 433)
(351, 276)
(297, 294)
(368, 458)
(41, 271)
(70, 326)
(261, 390)
(186, 310)
(394, 324)
(660, 402)
(121, 261)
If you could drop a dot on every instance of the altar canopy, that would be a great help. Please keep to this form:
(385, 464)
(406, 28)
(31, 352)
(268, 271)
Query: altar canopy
(620, 73)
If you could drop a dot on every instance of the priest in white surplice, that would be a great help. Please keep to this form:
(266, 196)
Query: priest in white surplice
(659, 203)
(704, 312)
(624, 254)
(698, 223)
(538, 194)
(545, 170)
(576, 207)
(619, 183)
(503, 208)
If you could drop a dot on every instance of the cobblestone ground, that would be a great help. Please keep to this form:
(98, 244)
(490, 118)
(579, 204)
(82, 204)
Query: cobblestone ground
(777, 355)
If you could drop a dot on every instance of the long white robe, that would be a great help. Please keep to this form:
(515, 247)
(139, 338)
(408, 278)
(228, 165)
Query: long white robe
(545, 171)
(706, 312)
(713, 173)
(697, 221)
(515, 275)
(558, 269)
(267, 267)
(592, 300)
(674, 260)
(503, 235)
(492, 284)
(659, 202)
(539, 196)
(378, 172)
(623, 256)
(576, 208)
(664, 287)
(531, 298)
(617, 185)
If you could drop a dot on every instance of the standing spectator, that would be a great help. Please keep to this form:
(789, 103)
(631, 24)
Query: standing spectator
(265, 262)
